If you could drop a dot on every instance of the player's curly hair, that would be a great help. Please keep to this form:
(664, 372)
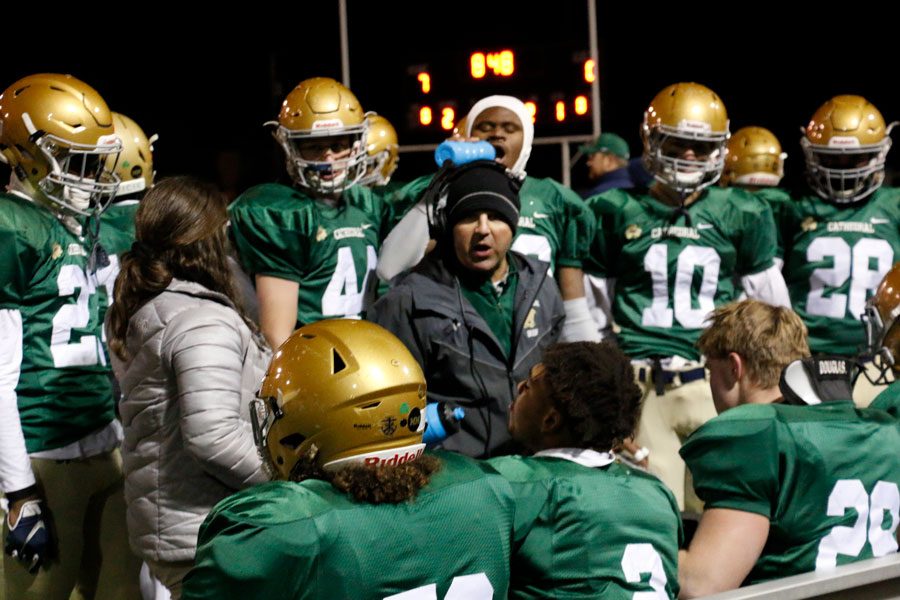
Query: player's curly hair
(592, 385)
(180, 233)
(383, 484)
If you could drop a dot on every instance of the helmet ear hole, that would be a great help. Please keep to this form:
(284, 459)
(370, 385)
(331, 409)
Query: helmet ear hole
(292, 441)
(337, 362)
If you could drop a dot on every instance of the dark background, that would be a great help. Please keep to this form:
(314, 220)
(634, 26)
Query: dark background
(207, 90)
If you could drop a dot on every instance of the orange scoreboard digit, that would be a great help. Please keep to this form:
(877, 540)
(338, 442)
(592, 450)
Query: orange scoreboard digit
(554, 81)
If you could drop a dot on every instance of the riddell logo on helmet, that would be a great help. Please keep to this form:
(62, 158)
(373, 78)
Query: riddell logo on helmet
(328, 124)
(396, 459)
(844, 141)
(694, 125)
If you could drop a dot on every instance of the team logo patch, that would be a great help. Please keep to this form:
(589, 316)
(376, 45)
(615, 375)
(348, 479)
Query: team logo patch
(321, 234)
(530, 326)
(809, 224)
(56, 252)
(632, 232)
(389, 426)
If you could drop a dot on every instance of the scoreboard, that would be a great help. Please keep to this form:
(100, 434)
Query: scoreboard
(553, 80)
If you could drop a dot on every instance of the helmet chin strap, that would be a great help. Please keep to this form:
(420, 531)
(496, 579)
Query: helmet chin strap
(679, 199)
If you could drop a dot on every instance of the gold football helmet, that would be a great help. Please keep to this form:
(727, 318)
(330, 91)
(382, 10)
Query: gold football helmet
(383, 151)
(881, 323)
(845, 146)
(340, 392)
(135, 165)
(320, 120)
(684, 133)
(56, 133)
(753, 158)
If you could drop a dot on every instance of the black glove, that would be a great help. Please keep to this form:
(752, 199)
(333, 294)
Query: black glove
(28, 539)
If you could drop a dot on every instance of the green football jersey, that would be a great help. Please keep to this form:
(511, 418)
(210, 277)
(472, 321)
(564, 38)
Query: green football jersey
(834, 258)
(117, 226)
(555, 225)
(331, 252)
(888, 400)
(409, 193)
(581, 532)
(826, 477)
(671, 272)
(307, 540)
(63, 388)
(778, 200)
(388, 190)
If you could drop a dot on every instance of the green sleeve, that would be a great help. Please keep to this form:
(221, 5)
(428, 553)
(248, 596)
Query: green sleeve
(780, 203)
(272, 240)
(402, 199)
(734, 462)
(17, 257)
(577, 229)
(602, 256)
(756, 243)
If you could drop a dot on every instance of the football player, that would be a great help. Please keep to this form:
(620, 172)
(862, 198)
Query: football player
(840, 240)
(673, 254)
(312, 247)
(59, 435)
(554, 224)
(578, 404)
(360, 511)
(794, 476)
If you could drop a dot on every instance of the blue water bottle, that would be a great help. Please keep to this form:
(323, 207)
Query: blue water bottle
(460, 153)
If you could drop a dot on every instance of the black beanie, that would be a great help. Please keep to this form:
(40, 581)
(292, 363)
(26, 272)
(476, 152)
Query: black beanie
(483, 187)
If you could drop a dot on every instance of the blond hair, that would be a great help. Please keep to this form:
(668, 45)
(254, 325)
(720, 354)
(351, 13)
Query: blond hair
(766, 337)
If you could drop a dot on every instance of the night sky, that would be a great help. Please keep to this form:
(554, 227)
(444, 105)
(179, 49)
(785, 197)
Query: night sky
(207, 92)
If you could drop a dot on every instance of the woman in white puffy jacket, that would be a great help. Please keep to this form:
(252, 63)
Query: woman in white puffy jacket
(188, 362)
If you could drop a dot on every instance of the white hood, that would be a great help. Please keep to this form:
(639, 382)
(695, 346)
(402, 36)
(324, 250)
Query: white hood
(516, 106)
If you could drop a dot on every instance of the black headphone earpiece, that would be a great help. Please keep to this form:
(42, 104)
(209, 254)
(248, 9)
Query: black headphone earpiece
(435, 195)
